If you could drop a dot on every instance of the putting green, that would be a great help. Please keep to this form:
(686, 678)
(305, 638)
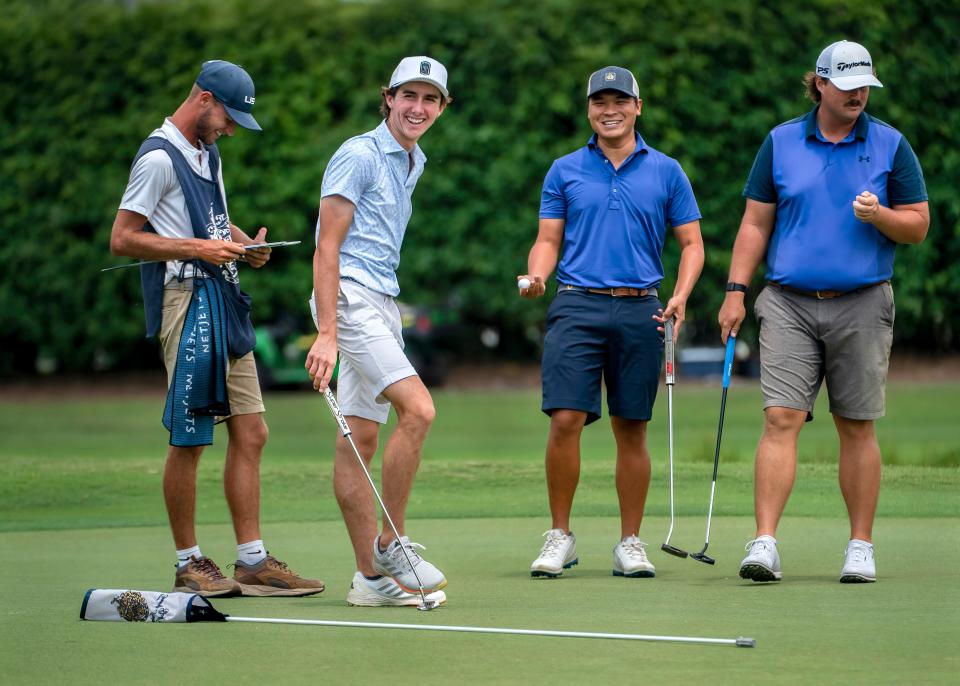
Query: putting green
(809, 628)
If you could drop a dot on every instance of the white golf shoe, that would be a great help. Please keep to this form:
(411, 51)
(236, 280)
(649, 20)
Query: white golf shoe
(858, 565)
(558, 553)
(392, 562)
(762, 562)
(385, 592)
(630, 559)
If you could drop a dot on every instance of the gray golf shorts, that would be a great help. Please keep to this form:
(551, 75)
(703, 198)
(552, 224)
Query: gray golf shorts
(371, 350)
(845, 340)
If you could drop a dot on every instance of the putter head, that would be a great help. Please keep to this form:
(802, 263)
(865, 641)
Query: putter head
(670, 550)
(428, 605)
(702, 557)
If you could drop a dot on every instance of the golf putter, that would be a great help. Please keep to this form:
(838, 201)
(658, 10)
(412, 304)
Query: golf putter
(668, 348)
(727, 369)
(425, 604)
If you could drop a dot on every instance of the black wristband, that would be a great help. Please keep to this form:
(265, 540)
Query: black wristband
(734, 286)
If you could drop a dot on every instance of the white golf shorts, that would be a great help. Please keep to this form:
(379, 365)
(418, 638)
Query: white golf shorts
(371, 350)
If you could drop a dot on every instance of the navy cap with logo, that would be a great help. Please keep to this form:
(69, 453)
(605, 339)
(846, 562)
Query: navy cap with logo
(613, 79)
(233, 88)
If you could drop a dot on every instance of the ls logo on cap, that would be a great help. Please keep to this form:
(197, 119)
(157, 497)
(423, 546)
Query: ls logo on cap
(425, 68)
(249, 99)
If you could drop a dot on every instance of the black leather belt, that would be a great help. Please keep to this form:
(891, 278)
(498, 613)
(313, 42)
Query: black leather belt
(823, 295)
(616, 292)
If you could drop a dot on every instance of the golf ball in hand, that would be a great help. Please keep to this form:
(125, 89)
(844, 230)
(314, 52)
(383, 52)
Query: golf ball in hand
(523, 283)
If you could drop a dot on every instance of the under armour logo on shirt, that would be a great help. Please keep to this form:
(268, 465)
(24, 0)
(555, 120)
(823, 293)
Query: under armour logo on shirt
(863, 158)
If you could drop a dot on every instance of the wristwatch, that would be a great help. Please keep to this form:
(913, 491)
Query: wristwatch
(734, 286)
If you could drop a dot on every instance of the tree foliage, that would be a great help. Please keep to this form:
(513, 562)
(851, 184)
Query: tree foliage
(84, 82)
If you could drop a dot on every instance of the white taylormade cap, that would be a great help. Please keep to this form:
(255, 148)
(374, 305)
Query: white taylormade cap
(420, 68)
(847, 65)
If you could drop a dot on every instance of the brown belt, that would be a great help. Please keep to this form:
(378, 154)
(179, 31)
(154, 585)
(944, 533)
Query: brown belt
(823, 295)
(618, 292)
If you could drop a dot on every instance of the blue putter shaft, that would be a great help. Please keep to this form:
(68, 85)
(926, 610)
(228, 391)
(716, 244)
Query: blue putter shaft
(727, 371)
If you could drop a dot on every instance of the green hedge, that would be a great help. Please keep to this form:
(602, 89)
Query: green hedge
(84, 82)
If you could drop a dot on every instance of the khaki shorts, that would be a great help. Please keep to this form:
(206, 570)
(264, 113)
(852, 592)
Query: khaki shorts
(845, 340)
(243, 386)
(370, 341)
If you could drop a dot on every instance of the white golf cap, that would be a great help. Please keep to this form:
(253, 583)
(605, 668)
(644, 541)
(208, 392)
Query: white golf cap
(420, 68)
(847, 65)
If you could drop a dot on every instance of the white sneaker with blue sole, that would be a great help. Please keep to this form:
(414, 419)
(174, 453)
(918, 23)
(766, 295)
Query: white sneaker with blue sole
(559, 552)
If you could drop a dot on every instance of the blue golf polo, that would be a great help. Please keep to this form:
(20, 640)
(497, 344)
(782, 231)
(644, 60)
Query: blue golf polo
(616, 219)
(817, 242)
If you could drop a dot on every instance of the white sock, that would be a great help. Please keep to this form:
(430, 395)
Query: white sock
(183, 556)
(251, 553)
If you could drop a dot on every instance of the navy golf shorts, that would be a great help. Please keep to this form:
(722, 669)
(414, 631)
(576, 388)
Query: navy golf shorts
(592, 336)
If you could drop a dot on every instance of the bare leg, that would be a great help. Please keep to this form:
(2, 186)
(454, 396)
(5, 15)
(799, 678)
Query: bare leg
(633, 472)
(180, 493)
(354, 496)
(860, 468)
(776, 465)
(563, 464)
(241, 473)
(401, 456)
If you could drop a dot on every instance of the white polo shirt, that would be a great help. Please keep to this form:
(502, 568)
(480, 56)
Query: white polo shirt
(154, 190)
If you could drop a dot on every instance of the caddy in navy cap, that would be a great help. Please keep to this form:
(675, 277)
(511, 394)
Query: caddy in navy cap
(233, 88)
(613, 79)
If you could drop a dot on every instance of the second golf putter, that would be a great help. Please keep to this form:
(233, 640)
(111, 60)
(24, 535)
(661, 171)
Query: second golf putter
(669, 347)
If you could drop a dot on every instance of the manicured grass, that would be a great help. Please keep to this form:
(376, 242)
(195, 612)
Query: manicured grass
(80, 507)
(809, 628)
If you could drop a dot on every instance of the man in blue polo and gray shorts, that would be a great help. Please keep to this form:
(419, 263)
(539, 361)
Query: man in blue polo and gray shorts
(607, 206)
(366, 204)
(830, 196)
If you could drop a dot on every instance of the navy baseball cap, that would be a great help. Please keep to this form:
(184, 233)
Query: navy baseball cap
(233, 88)
(613, 79)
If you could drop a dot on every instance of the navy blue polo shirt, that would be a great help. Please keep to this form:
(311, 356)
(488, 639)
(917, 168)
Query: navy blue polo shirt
(616, 219)
(817, 242)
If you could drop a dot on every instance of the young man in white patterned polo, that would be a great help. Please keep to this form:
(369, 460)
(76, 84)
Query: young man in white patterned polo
(364, 209)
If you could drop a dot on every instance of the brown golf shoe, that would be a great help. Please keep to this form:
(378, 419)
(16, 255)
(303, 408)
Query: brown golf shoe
(202, 576)
(271, 577)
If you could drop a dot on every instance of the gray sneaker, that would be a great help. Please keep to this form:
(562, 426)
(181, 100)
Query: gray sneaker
(762, 562)
(858, 565)
(393, 563)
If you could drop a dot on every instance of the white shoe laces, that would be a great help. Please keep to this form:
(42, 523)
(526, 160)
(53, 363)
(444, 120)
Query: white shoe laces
(758, 544)
(857, 554)
(553, 544)
(633, 548)
(400, 559)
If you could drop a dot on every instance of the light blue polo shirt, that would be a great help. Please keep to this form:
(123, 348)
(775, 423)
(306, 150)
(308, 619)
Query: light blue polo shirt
(373, 172)
(616, 219)
(817, 242)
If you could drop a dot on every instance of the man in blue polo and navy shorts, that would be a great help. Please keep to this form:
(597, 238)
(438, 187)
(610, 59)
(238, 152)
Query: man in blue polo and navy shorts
(367, 200)
(606, 206)
(829, 197)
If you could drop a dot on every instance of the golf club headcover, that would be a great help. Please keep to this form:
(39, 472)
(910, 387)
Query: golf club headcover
(122, 605)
